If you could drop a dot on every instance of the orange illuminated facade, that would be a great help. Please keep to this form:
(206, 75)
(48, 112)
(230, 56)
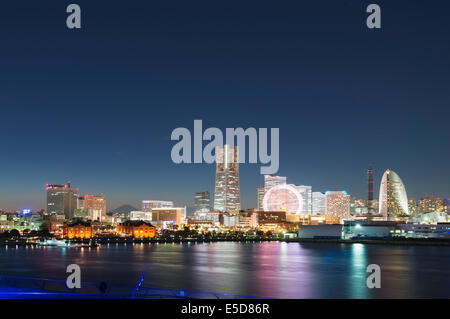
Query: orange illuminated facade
(77, 230)
(136, 229)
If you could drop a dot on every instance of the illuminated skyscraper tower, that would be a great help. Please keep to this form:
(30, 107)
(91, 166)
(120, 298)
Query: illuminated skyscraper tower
(393, 201)
(370, 208)
(227, 193)
(61, 199)
(202, 202)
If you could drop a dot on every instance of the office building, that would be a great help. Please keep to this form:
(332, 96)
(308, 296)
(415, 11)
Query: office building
(202, 202)
(319, 203)
(227, 192)
(169, 217)
(96, 206)
(148, 205)
(62, 199)
(338, 204)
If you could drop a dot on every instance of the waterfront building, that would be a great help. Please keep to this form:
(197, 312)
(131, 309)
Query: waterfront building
(170, 217)
(148, 205)
(140, 215)
(77, 229)
(430, 204)
(202, 202)
(370, 229)
(271, 217)
(212, 216)
(230, 220)
(320, 231)
(61, 199)
(136, 229)
(227, 191)
(319, 203)
(338, 204)
(248, 219)
(325, 220)
(432, 218)
(438, 230)
(393, 201)
(200, 222)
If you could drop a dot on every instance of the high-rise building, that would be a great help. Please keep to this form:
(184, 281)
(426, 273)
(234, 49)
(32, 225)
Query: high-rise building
(370, 207)
(338, 204)
(202, 202)
(61, 199)
(306, 192)
(227, 192)
(319, 203)
(148, 205)
(96, 206)
(261, 192)
(271, 181)
(430, 204)
(393, 201)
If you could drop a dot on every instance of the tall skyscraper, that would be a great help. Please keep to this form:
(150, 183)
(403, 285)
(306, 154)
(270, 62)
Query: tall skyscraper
(338, 204)
(261, 192)
(227, 193)
(61, 199)
(319, 203)
(202, 202)
(271, 181)
(96, 206)
(393, 199)
(370, 207)
(306, 192)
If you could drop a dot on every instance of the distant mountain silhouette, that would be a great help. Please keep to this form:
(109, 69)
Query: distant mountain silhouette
(121, 209)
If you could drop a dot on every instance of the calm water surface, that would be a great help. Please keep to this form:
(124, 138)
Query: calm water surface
(268, 269)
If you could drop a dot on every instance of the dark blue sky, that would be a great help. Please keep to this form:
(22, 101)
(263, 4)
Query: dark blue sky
(97, 106)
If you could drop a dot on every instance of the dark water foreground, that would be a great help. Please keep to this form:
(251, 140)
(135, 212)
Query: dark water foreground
(265, 269)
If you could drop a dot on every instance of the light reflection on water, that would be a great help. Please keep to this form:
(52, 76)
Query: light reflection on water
(268, 269)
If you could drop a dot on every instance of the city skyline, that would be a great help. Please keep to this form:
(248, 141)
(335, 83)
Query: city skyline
(85, 106)
(191, 205)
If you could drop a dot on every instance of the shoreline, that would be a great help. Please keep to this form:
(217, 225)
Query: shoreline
(123, 241)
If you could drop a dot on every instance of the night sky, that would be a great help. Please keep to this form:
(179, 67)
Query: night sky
(97, 106)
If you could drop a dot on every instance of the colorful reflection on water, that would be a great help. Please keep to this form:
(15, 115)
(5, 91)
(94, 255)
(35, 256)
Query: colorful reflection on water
(268, 269)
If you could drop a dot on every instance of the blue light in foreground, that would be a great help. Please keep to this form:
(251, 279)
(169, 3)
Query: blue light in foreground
(26, 211)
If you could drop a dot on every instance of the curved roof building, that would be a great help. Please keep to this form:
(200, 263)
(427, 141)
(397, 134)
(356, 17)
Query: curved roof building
(393, 200)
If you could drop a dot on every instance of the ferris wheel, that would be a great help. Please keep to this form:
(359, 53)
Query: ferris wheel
(283, 198)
